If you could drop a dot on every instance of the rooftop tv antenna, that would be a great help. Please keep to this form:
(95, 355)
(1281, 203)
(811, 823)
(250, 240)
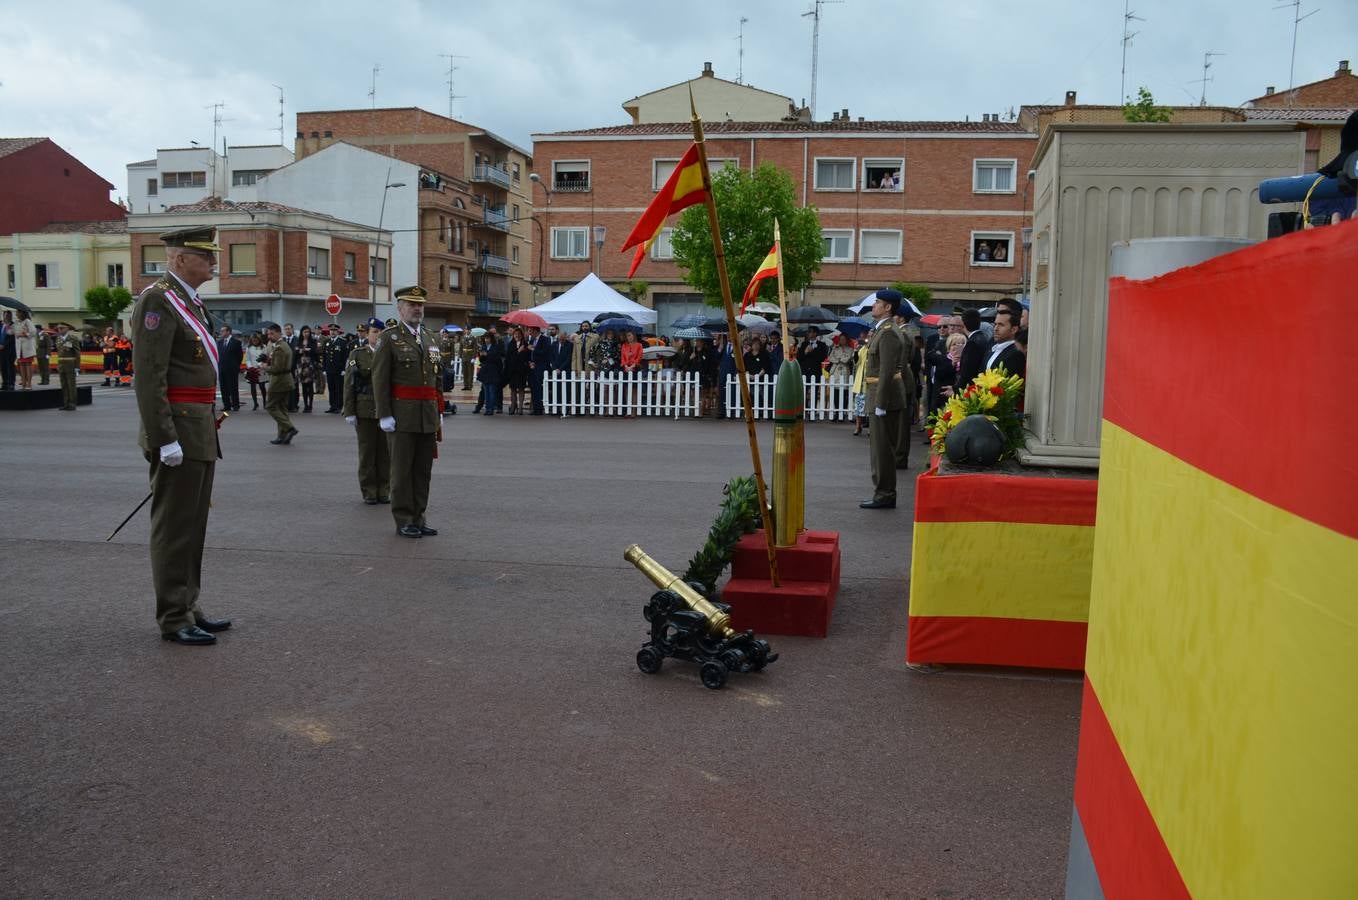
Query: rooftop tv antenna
(815, 13)
(372, 91)
(1206, 65)
(740, 54)
(1128, 17)
(280, 115)
(1296, 22)
(451, 69)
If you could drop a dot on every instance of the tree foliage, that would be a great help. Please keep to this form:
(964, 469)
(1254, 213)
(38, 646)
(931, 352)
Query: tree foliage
(747, 203)
(919, 294)
(1143, 108)
(106, 303)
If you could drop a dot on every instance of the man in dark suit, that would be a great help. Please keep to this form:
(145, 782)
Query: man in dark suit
(726, 370)
(230, 352)
(561, 351)
(1005, 352)
(538, 364)
(7, 352)
(974, 353)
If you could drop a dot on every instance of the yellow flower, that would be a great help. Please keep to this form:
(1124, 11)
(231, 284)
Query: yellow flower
(988, 379)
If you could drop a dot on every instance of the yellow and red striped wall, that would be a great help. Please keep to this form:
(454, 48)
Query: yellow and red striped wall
(1000, 569)
(1219, 740)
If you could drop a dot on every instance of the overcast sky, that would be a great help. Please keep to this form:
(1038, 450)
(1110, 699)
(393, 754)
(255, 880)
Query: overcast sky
(113, 80)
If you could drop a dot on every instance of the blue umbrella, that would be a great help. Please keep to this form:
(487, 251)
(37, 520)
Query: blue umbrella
(855, 326)
(621, 323)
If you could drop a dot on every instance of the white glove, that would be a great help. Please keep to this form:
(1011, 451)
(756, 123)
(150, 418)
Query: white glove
(352, 420)
(171, 454)
(879, 411)
(387, 423)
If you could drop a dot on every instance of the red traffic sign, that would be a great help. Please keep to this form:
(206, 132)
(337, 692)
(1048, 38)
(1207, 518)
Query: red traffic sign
(332, 305)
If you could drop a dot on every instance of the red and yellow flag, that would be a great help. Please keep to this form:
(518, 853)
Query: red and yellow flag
(681, 190)
(767, 269)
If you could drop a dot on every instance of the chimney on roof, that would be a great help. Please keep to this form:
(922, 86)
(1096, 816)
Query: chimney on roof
(844, 114)
(707, 70)
(1343, 68)
(994, 117)
(834, 116)
(1268, 91)
(985, 117)
(1070, 98)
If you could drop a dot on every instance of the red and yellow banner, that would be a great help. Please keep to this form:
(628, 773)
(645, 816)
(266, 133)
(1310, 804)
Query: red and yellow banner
(681, 190)
(767, 269)
(1216, 749)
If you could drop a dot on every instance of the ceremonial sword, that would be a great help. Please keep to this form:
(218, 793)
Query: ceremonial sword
(220, 419)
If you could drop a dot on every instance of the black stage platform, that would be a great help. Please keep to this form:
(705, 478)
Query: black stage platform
(48, 397)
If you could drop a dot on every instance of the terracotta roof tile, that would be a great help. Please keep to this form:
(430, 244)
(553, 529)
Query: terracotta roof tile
(112, 226)
(14, 145)
(1297, 114)
(834, 127)
(216, 204)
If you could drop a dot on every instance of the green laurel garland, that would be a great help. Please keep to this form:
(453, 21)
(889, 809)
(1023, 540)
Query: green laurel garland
(738, 516)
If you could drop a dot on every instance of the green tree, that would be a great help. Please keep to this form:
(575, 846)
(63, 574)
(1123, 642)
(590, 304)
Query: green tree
(1143, 108)
(747, 204)
(633, 290)
(106, 303)
(919, 294)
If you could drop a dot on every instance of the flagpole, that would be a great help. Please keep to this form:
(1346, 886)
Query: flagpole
(782, 298)
(719, 251)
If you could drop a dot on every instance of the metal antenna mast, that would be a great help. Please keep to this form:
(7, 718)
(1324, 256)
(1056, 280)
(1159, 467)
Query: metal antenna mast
(372, 92)
(1296, 22)
(814, 12)
(1207, 64)
(451, 69)
(740, 55)
(1128, 17)
(280, 115)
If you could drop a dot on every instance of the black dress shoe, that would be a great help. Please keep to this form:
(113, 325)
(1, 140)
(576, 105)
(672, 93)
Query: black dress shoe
(410, 531)
(371, 501)
(877, 504)
(277, 440)
(191, 635)
(426, 530)
(212, 625)
(287, 438)
(383, 499)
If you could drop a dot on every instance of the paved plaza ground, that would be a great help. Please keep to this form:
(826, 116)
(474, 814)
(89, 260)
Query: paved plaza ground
(462, 715)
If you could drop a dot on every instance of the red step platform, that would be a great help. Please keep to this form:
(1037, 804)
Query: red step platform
(802, 604)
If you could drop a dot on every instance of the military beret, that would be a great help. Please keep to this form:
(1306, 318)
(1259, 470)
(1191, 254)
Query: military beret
(414, 294)
(192, 239)
(892, 296)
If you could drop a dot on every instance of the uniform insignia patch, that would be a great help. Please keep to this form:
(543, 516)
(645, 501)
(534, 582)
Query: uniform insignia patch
(152, 321)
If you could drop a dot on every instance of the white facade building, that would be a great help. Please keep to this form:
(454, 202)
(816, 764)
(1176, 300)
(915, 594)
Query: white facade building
(188, 174)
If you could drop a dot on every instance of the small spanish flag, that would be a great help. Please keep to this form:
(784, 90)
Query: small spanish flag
(767, 269)
(681, 190)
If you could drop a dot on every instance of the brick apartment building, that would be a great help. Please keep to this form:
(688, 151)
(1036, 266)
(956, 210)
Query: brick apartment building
(40, 183)
(277, 262)
(467, 203)
(938, 203)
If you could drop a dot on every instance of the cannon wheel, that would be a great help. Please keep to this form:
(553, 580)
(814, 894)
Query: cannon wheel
(649, 660)
(713, 675)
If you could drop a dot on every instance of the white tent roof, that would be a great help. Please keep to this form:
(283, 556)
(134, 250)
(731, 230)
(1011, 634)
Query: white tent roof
(588, 299)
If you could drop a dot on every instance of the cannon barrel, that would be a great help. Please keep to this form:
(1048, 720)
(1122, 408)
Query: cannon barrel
(718, 622)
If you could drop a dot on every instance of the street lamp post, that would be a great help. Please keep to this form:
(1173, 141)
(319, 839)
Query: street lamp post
(381, 214)
(542, 243)
(599, 233)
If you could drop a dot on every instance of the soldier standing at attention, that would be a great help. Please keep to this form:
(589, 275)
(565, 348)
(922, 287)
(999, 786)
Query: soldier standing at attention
(885, 389)
(176, 362)
(68, 363)
(44, 353)
(467, 350)
(374, 461)
(334, 357)
(405, 380)
(280, 383)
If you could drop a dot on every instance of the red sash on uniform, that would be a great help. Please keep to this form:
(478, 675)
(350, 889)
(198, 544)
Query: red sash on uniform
(191, 395)
(410, 392)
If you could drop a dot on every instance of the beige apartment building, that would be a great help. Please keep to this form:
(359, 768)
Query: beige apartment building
(50, 270)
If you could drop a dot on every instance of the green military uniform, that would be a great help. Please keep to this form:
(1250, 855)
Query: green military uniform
(467, 350)
(68, 364)
(904, 425)
(44, 352)
(374, 461)
(885, 389)
(405, 380)
(176, 386)
(280, 389)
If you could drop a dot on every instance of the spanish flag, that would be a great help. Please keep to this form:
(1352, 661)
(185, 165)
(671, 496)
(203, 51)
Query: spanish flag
(767, 269)
(681, 190)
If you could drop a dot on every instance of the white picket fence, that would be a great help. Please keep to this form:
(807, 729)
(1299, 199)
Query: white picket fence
(665, 393)
(829, 400)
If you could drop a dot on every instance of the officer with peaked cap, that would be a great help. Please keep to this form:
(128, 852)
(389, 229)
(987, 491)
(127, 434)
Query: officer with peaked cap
(405, 382)
(175, 358)
(885, 388)
(360, 411)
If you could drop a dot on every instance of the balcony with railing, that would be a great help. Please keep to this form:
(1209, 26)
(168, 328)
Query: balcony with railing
(491, 175)
(570, 183)
(490, 306)
(492, 263)
(496, 218)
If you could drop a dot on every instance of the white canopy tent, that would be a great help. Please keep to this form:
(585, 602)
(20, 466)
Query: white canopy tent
(588, 299)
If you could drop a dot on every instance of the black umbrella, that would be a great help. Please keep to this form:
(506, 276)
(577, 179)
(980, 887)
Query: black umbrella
(265, 326)
(812, 314)
(15, 304)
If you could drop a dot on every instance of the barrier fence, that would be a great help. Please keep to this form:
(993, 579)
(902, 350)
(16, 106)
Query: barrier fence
(827, 399)
(665, 393)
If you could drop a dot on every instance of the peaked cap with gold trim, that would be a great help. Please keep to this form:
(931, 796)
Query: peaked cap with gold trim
(192, 239)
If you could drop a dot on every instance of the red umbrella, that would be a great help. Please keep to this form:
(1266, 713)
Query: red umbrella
(526, 318)
(932, 320)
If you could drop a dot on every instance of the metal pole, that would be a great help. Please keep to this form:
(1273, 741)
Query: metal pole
(386, 186)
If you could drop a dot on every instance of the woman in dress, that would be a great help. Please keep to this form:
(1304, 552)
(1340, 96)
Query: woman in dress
(308, 364)
(516, 370)
(254, 373)
(608, 354)
(860, 397)
(841, 358)
(25, 349)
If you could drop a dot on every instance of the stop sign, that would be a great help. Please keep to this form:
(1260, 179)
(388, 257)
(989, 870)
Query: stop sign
(332, 305)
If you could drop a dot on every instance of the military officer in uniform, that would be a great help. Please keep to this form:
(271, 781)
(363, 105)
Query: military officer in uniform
(885, 389)
(175, 358)
(374, 462)
(467, 350)
(405, 380)
(280, 383)
(68, 363)
(334, 358)
(44, 354)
